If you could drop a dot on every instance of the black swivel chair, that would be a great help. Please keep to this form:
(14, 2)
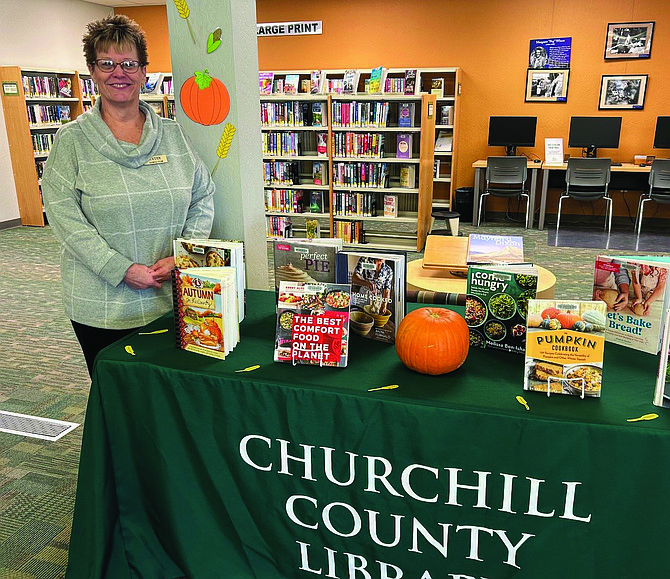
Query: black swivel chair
(659, 189)
(506, 177)
(587, 179)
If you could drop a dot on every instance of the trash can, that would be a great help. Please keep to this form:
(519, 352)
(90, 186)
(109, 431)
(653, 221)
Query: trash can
(464, 200)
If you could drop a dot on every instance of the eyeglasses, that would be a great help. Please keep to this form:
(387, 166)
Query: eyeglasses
(108, 65)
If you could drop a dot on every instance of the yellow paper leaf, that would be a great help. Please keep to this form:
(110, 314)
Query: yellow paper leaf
(249, 368)
(650, 416)
(521, 400)
(130, 350)
(389, 387)
(152, 333)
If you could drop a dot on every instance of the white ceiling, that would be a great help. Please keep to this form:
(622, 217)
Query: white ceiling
(120, 3)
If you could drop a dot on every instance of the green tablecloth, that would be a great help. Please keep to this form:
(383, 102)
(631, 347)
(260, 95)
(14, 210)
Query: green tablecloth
(189, 468)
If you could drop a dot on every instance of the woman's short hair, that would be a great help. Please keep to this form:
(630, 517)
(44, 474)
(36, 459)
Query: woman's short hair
(117, 31)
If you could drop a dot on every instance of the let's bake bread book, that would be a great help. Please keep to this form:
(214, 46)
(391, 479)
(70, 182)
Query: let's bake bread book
(635, 290)
(204, 301)
(565, 342)
(377, 291)
(312, 324)
(497, 303)
(213, 253)
(305, 260)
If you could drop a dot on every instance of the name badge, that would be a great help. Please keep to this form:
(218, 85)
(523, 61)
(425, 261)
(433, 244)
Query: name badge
(157, 160)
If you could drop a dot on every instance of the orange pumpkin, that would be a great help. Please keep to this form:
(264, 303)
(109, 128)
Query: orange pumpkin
(568, 320)
(550, 313)
(432, 340)
(205, 99)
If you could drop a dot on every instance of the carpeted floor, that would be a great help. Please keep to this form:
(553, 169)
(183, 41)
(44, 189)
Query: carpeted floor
(43, 373)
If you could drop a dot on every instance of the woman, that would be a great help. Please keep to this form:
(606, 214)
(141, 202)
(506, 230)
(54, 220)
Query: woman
(119, 185)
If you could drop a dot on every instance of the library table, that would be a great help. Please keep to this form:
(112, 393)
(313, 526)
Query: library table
(548, 167)
(480, 180)
(191, 468)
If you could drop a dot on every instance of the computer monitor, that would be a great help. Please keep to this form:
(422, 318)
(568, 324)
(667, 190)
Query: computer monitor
(662, 134)
(591, 133)
(512, 132)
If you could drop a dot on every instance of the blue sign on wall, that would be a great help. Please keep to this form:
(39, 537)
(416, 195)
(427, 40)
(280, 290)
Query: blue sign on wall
(550, 53)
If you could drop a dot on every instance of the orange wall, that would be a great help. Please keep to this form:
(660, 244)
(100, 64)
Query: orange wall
(153, 19)
(488, 39)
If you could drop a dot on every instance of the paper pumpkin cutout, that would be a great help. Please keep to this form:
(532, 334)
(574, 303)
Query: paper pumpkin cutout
(224, 144)
(213, 41)
(205, 99)
(184, 11)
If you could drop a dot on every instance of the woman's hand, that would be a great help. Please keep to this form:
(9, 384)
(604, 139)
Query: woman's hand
(139, 276)
(162, 269)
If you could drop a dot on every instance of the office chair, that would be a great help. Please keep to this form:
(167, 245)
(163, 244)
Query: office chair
(506, 177)
(659, 189)
(587, 180)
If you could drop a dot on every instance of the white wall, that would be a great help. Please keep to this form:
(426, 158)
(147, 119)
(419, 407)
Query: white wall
(40, 34)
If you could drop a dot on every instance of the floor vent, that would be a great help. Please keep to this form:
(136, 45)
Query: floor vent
(34, 426)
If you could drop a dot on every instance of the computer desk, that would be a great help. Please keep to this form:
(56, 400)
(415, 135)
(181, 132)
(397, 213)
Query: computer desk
(480, 172)
(546, 167)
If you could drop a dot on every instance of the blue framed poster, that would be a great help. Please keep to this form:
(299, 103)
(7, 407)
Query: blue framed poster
(550, 53)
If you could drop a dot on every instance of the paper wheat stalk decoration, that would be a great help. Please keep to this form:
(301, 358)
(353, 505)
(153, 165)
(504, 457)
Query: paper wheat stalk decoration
(182, 8)
(224, 144)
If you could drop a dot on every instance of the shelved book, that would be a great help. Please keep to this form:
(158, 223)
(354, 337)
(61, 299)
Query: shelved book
(410, 81)
(565, 343)
(291, 83)
(312, 324)
(376, 81)
(403, 146)
(377, 291)
(494, 248)
(204, 301)
(444, 141)
(662, 390)
(496, 305)
(190, 253)
(390, 206)
(635, 289)
(350, 81)
(316, 82)
(316, 202)
(406, 114)
(407, 177)
(305, 260)
(265, 81)
(437, 87)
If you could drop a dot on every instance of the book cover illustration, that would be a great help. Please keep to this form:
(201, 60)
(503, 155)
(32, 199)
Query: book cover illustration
(190, 253)
(305, 260)
(496, 305)
(312, 229)
(316, 202)
(316, 82)
(404, 146)
(291, 83)
(205, 310)
(565, 343)
(64, 88)
(312, 324)
(375, 81)
(444, 141)
(320, 173)
(410, 81)
(322, 144)
(437, 87)
(350, 82)
(635, 291)
(317, 114)
(407, 177)
(662, 391)
(405, 114)
(377, 292)
(390, 206)
(265, 80)
(494, 248)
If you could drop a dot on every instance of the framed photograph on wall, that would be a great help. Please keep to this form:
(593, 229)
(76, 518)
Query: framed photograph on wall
(547, 85)
(629, 40)
(623, 91)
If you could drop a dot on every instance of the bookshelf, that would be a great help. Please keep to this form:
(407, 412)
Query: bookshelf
(36, 103)
(380, 151)
(162, 98)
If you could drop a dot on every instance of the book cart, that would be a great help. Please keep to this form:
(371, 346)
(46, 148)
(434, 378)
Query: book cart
(366, 169)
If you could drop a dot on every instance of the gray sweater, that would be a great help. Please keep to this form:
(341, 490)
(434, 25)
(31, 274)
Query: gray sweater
(110, 207)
